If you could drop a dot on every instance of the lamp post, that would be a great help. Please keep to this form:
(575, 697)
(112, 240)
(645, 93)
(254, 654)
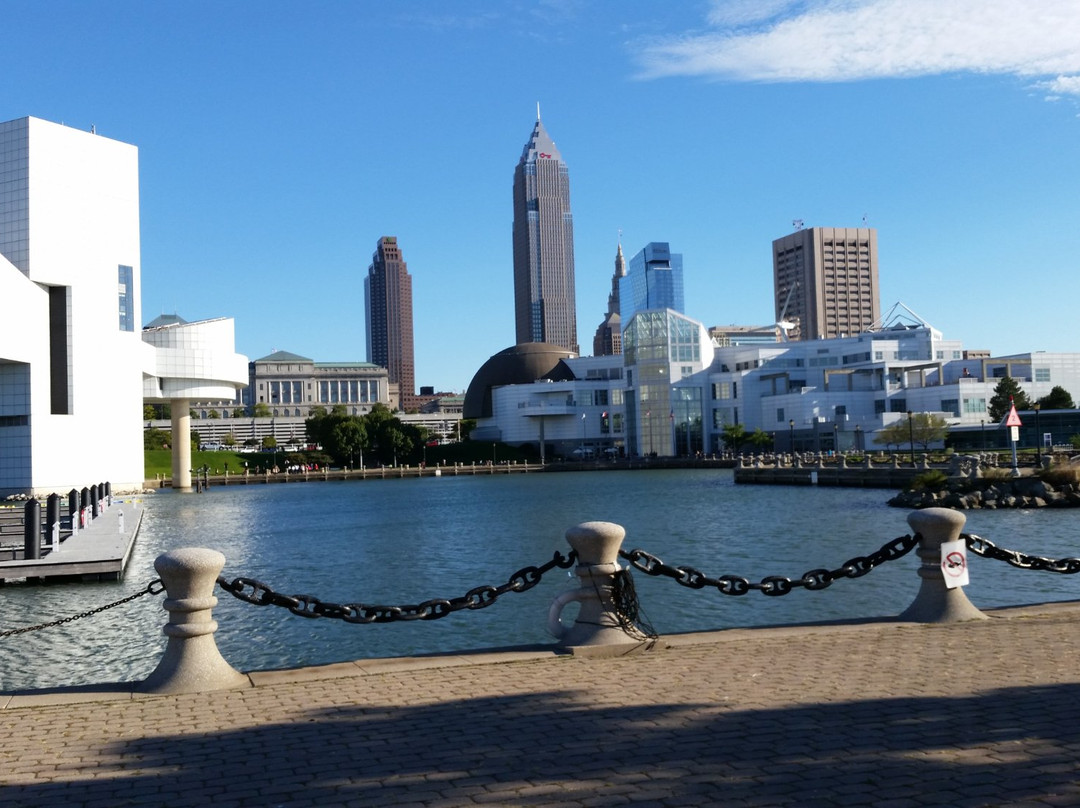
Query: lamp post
(836, 438)
(791, 433)
(858, 438)
(1038, 436)
(983, 422)
(911, 435)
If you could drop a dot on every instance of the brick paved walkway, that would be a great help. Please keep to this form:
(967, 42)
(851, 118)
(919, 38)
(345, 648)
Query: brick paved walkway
(886, 714)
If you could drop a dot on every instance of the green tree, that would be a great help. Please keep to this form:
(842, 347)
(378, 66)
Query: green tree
(239, 412)
(261, 410)
(927, 428)
(760, 439)
(155, 439)
(1007, 392)
(148, 412)
(895, 434)
(734, 436)
(348, 440)
(1057, 399)
(269, 442)
(229, 440)
(465, 428)
(212, 413)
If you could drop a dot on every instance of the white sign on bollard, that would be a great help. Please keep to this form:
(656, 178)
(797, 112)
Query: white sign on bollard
(954, 563)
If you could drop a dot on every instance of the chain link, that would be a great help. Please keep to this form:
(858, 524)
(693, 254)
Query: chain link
(987, 549)
(256, 592)
(773, 585)
(155, 587)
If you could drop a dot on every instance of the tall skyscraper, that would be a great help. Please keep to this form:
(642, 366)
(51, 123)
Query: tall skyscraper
(608, 338)
(826, 281)
(544, 305)
(388, 302)
(654, 281)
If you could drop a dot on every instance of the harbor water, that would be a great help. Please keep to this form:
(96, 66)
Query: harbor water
(404, 541)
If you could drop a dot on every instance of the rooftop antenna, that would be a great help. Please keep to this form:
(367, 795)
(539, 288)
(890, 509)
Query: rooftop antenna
(537, 110)
(865, 223)
(797, 224)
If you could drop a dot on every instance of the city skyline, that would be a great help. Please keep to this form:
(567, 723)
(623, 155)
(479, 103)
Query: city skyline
(270, 157)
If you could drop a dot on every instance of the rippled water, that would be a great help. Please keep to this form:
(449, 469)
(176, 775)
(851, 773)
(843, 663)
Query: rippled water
(405, 541)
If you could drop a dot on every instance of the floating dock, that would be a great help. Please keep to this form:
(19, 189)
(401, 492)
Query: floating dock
(98, 552)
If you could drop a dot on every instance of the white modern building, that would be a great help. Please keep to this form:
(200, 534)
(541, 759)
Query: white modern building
(73, 362)
(675, 390)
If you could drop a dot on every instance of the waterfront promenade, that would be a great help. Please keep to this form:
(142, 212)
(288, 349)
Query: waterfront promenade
(982, 713)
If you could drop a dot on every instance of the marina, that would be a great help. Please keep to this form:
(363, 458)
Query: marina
(98, 552)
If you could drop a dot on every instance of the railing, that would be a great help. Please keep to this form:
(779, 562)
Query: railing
(609, 613)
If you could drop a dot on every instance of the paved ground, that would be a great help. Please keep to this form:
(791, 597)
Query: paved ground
(885, 714)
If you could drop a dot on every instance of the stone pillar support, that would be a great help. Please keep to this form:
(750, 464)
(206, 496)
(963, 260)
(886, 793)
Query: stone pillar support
(191, 662)
(181, 444)
(597, 545)
(935, 602)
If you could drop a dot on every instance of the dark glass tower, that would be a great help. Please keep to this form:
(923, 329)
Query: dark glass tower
(544, 305)
(388, 302)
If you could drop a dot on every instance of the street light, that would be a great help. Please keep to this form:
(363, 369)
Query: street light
(1038, 436)
(858, 438)
(983, 422)
(791, 432)
(911, 435)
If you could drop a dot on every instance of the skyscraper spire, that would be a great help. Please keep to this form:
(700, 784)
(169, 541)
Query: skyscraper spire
(608, 338)
(543, 232)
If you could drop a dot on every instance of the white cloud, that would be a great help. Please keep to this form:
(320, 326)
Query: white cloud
(1062, 85)
(849, 40)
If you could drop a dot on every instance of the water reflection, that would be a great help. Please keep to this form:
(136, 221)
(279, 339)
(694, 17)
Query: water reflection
(405, 541)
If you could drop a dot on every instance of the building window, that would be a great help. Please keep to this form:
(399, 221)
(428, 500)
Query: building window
(897, 405)
(125, 281)
(779, 413)
(974, 405)
(1042, 374)
(950, 405)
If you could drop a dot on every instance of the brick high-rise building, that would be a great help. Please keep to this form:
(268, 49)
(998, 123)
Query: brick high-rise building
(388, 303)
(544, 298)
(825, 281)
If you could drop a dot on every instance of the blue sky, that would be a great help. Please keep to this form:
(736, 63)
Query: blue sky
(278, 141)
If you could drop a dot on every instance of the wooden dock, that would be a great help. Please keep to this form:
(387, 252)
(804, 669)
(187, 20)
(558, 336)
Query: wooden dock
(99, 552)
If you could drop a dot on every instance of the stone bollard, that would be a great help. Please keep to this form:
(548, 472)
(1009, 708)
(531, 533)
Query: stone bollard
(935, 602)
(597, 545)
(191, 662)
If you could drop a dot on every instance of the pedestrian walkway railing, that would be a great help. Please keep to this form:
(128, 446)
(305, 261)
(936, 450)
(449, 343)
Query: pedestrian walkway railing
(608, 614)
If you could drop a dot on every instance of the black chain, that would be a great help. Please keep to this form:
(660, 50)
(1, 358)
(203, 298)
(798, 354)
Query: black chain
(987, 549)
(155, 587)
(251, 591)
(773, 585)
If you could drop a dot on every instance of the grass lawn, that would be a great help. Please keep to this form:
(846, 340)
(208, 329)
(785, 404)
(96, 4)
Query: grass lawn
(159, 461)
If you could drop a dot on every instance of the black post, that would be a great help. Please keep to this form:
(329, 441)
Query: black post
(52, 518)
(73, 507)
(1038, 437)
(911, 435)
(32, 529)
(95, 507)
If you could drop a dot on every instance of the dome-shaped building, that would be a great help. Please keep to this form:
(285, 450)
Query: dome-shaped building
(520, 364)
